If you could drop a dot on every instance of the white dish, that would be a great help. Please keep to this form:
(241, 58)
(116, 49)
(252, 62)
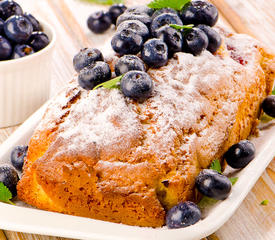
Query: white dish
(25, 219)
(25, 82)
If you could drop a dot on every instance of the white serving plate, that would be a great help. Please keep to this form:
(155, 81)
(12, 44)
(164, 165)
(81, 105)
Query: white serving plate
(26, 219)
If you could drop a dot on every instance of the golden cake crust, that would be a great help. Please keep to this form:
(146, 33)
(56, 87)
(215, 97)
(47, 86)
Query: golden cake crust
(98, 154)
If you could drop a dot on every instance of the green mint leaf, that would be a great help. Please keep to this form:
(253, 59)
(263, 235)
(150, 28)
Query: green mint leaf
(113, 83)
(206, 202)
(175, 4)
(273, 92)
(215, 165)
(233, 180)
(104, 2)
(5, 194)
(182, 27)
(264, 202)
(265, 118)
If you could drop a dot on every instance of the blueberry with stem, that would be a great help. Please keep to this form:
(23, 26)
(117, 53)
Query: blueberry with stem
(155, 53)
(22, 50)
(137, 85)
(200, 12)
(127, 42)
(195, 41)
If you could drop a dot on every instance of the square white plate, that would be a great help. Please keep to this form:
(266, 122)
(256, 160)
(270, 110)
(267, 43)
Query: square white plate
(26, 219)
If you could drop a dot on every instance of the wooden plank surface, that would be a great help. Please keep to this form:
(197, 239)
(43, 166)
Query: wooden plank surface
(255, 17)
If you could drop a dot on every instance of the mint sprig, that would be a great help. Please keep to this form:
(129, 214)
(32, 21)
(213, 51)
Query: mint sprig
(113, 83)
(182, 27)
(233, 180)
(174, 4)
(104, 2)
(264, 202)
(265, 118)
(206, 202)
(273, 91)
(215, 165)
(5, 194)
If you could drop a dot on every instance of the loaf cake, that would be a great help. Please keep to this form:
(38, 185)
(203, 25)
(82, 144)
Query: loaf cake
(101, 155)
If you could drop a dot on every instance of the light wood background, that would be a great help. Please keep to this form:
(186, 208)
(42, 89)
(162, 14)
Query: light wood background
(251, 221)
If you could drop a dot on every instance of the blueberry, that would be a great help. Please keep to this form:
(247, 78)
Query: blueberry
(195, 41)
(127, 42)
(17, 156)
(137, 26)
(213, 184)
(1, 26)
(22, 50)
(137, 85)
(35, 23)
(183, 215)
(214, 38)
(18, 29)
(9, 8)
(85, 57)
(164, 19)
(128, 63)
(200, 12)
(268, 106)
(155, 53)
(38, 41)
(164, 10)
(142, 9)
(99, 22)
(240, 155)
(116, 10)
(171, 37)
(5, 48)
(9, 177)
(144, 18)
(94, 74)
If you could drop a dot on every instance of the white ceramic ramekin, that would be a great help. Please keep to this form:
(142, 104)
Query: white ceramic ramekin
(25, 83)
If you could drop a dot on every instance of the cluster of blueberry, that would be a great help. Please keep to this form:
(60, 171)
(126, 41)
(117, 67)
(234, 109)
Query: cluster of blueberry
(92, 69)
(20, 33)
(141, 29)
(8, 175)
(212, 184)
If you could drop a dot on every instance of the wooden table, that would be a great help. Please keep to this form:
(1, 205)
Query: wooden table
(251, 221)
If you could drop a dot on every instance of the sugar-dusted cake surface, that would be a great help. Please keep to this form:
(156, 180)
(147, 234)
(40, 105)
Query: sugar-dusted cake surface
(98, 154)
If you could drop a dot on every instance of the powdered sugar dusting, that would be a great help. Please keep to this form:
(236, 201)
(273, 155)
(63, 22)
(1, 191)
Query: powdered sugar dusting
(196, 97)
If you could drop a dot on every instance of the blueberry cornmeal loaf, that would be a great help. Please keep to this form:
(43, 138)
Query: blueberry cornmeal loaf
(101, 155)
